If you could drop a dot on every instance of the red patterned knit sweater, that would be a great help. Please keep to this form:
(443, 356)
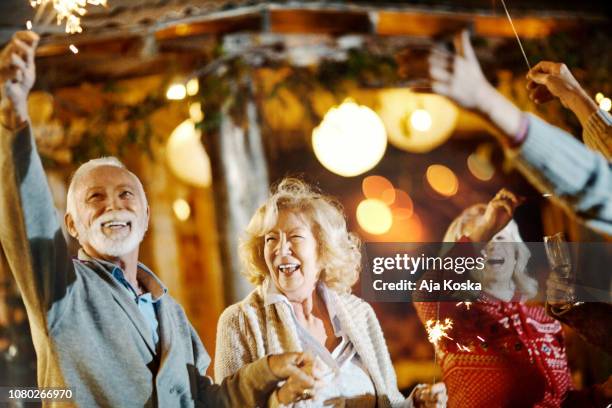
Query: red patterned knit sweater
(516, 354)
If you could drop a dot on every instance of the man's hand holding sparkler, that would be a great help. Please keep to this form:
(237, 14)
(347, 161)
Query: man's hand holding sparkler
(17, 76)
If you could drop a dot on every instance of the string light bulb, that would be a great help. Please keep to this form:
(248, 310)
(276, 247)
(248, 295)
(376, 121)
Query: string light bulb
(420, 120)
(176, 92)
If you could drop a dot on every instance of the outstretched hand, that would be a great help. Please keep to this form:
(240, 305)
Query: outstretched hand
(498, 214)
(459, 76)
(17, 76)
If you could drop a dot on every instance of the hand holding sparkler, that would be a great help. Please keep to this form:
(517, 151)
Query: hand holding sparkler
(430, 395)
(549, 80)
(17, 76)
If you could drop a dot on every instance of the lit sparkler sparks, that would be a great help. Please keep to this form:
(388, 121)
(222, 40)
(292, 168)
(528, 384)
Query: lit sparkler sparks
(437, 329)
(69, 11)
(480, 338)
(466, 304)
(461, 347)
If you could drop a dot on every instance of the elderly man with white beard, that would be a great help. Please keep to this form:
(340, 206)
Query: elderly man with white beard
(103, 324)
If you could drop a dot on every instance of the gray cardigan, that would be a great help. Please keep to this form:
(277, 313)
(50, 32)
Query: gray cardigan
(88, 332)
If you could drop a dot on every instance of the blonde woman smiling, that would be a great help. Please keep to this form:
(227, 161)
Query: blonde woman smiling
(303, 261)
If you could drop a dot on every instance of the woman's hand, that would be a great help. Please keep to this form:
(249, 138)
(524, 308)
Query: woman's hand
(549, 80)
(460, 78)
(430, 395)
(17, 76)
(498, 214)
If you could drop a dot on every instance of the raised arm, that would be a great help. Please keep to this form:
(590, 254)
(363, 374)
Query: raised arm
(549, 80)
(548, 156)
(30, 232)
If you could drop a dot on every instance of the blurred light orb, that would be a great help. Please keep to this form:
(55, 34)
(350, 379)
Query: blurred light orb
(420, 120)
(350, 140)
(442, 180)
(480, 167)
(416, 122)
(195, 112)
(192, 87)
(176, 92)
(598, 97)
(374, 216)
(605, 104)
(187, 157)
(181, 209)
(378, 187)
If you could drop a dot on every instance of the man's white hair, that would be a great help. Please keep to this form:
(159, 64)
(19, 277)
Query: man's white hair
(86, 167)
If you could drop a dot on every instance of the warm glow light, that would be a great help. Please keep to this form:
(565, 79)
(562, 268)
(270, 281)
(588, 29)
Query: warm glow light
(480, 168)
(416, 122)
(29, 25)
(195, 112)
(374, 216)
(420, 120)
(181, 209)
(176, 92)
(598, 97)
(442, 180)
(186, 155)
(192, 87)
(436, 330)
(605, 104)
(69, 10)
(378, 187)
(350, 140)
(74, 49)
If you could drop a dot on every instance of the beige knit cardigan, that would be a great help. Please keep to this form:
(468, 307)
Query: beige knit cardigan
(248, 330)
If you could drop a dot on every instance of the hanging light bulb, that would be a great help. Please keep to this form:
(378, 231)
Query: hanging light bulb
(350, 140)
(187, 157)
(420, 120)
(181, 208)
(192, 87)
(176, 92)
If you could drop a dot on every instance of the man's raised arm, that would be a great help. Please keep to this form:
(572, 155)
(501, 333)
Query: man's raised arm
(30, 232)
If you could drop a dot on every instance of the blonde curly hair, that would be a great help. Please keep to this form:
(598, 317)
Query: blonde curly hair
(338, 249)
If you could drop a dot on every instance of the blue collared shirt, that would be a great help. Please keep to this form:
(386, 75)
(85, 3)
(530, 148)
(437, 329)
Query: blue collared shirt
(145, 302)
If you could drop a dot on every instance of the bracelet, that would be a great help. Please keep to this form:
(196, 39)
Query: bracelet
(521, 135)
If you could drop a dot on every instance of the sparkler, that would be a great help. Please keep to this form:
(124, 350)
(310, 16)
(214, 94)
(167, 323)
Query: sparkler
(68, 11)
(437, 329)
(466, 304)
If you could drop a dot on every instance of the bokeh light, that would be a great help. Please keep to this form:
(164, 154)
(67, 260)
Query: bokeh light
(442, 180)
(176, 92)
(479, 163)
(350, 140)
(192, 87)
(374, 216)
(187, 157)
(420, 120)
(605, 104)
(181, 208)
(378, 187)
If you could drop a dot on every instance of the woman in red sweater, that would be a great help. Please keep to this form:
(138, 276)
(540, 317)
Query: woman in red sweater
(504, 352)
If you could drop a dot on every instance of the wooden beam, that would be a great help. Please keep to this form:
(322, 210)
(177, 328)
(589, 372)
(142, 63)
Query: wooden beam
(310, 21)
